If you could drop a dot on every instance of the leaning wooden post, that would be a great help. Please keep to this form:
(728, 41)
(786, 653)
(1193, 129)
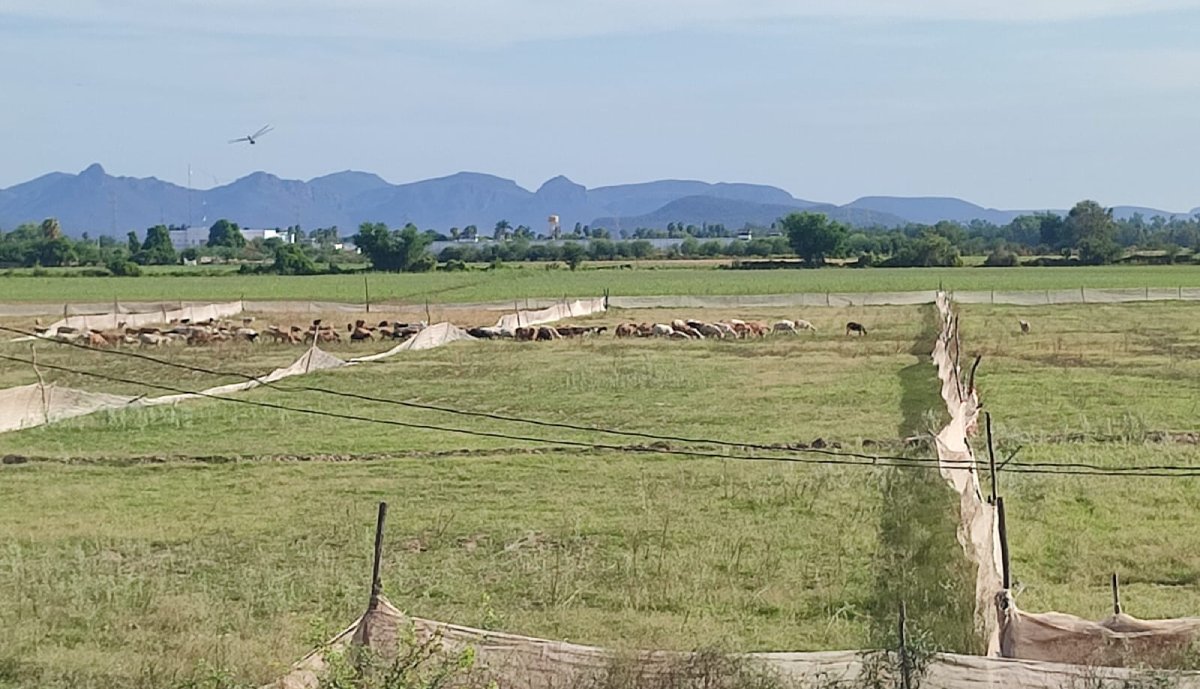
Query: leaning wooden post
(367, 293)
(1116, 591)
(428, 318)
(376, 582)
(905, 670)
(987, 418)
(1005, 564)
(41, 383)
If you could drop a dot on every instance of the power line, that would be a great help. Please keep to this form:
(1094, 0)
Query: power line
(897, 462)
(494, 416)
(874, 458)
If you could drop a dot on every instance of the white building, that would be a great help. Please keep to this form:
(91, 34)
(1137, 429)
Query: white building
(195, 237)
(189, 237)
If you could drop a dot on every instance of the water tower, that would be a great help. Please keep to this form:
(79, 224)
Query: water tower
(554, 227)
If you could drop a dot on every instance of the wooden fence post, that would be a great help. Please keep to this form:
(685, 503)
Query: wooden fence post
(367, 293)
(1005, 563)
(905, 670)
(1116, 591)
(987, 418)
(376, 580)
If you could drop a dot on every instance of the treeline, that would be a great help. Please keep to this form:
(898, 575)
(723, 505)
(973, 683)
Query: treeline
(294, 252)
(1088, 234)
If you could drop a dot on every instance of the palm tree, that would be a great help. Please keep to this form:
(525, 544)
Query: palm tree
(502, 229)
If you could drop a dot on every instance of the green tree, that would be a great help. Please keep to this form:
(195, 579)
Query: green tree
(573, 254)
(470, 232)
(58, 251)
(1093, 231)
(225, 233)
(502, 230)
(394, 250)
(813, 236)
(51, 229)
(133, 243)
(157, 249)
(290, 259)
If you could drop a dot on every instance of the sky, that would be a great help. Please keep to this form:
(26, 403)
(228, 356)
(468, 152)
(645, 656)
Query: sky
(1009, 104)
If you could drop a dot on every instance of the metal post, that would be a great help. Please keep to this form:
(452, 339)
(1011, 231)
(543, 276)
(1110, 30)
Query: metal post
(376, 582)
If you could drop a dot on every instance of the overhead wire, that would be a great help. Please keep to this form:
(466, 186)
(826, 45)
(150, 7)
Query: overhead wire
(656, 437)
(867, 461)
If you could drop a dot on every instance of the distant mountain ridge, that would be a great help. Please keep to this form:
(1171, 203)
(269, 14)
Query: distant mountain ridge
(94, 201)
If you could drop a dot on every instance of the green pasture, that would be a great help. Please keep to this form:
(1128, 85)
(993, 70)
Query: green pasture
(144, 547)
(535, 280)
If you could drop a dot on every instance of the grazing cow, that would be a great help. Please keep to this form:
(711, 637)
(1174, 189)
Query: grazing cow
(359, 331)
(784, 327)
(726, 329)
(660, 330)
(626, 330)
(245, 333)
(148, 339)
(546, 333)
(802, 324)
(758, 328)
(525, 333)
(853, 327)
(681, 327)
(97, 339)
(1024, 326)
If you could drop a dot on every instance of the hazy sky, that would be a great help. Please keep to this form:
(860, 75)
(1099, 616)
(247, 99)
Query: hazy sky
(1016, 104)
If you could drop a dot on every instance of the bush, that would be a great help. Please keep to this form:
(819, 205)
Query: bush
(1001, 258)
(423, 263)
(290, 259)
(122, 268)
(454, 266)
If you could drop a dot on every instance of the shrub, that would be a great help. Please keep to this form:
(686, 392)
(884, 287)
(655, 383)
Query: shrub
(122, 268)
(1001, 258)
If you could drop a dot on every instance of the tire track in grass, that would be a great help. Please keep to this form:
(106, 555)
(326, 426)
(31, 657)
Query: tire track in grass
(918, 557)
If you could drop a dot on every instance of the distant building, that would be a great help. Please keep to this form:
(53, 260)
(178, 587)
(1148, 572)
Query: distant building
(195, 237)
(263, 234)
(189, 237)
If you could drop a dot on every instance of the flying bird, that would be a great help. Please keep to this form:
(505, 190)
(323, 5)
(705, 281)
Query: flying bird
(253, 138)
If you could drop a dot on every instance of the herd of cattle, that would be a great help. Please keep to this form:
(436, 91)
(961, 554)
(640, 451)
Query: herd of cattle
(677, 329)
(214, 331)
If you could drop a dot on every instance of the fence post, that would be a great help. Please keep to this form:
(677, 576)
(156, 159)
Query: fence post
(1116, 591)
(905, 670)
(987, 417)
(41, 383)
(376, 581)
(1082, 296)
(1005, 564)
(367, 293)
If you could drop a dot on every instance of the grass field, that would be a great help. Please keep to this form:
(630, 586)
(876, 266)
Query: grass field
(1096, 384)
(535, 280)
(245, 564)
(155, 544)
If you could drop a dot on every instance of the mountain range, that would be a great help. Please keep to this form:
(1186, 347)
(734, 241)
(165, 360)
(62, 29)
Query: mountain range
(94, 201)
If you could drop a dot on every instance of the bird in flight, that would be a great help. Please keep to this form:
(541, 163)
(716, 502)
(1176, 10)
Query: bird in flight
(253, 138)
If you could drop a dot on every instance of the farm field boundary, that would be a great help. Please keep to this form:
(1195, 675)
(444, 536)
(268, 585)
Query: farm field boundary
(1085, 295)
(1118, 640)
(545, 664)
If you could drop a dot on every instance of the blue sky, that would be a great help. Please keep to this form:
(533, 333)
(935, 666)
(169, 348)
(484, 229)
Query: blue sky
(1018, 104)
